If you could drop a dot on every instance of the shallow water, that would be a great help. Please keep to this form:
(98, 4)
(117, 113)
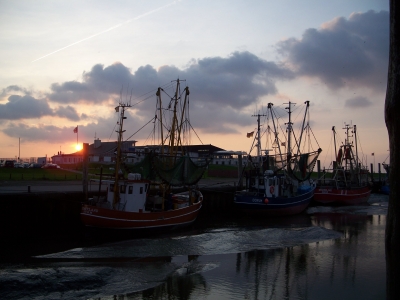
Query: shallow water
(326, 253)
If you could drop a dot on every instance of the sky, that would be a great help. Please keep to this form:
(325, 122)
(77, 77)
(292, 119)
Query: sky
(66, 64)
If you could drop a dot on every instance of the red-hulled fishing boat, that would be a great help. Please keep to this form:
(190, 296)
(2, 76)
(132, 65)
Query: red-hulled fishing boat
(143, 203)
(347, 182)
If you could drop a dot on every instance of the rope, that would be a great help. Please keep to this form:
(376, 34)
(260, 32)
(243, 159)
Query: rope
(140, 129)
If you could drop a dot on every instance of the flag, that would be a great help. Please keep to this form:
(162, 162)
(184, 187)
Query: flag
(76, 129)
(250, 134)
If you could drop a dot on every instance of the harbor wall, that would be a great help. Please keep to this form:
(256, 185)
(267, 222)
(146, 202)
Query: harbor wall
(32, 214)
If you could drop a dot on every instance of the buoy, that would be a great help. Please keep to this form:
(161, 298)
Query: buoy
(271, 189)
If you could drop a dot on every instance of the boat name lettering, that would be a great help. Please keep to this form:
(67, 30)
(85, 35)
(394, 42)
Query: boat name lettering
(89, 210)
(257, 200)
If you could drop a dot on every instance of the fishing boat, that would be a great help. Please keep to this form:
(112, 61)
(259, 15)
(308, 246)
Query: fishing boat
(347, 182)
(385, 188)
(278, 181)
(147, 200)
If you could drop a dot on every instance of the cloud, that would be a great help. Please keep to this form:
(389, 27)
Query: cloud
(24, 107)
(358, 102)
(343, 52)
(233, 83)
(67, 112)
(238, 80)
(349, 52)
(37, 133)
(14, 89)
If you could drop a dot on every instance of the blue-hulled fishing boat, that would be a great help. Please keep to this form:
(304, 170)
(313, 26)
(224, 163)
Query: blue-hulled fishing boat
(278, 181)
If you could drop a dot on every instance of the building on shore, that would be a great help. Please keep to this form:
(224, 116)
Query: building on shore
(105, 152)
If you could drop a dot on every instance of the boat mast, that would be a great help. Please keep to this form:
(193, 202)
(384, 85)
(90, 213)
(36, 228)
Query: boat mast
(355, 138)
(302, 128)
(159, 102)
(347, 147)
(275, 130)
(120, 108)
(182, 116)
(334, 138)
(289, 130)
(173, 144)
(259, 155)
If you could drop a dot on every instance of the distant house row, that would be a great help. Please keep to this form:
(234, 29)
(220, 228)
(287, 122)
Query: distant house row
(105, 152)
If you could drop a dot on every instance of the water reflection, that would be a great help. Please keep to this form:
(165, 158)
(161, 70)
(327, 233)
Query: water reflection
(349, 267)
(336, 253)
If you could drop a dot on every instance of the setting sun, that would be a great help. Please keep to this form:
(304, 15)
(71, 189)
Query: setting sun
(78, 147)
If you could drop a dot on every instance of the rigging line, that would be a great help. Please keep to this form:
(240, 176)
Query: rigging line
(148, 137)
(112, 131)
(150, 96)
(386, 158)
(153, 91)
(139, 129)
(195, 133)
(327, 153)
(358, 138)
(315, 137)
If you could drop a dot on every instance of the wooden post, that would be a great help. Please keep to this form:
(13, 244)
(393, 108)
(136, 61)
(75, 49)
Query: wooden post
(372, 172)
(85, 152)
(240, 170)
(101, 177)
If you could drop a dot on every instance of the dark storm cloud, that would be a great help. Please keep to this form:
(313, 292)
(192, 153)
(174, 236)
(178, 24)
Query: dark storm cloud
(97, 85)
(67, 112)
(238, 81)
(27, 107)
(24, 107)
(232, 83)
(344, 51)
(358, 102)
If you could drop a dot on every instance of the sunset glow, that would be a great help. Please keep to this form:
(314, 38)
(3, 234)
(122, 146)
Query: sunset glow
(335, 56)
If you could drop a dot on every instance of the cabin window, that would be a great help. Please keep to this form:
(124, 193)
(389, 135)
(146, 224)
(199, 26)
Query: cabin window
(112, 187)
(122, 189)
(141, 190)
(130, 190)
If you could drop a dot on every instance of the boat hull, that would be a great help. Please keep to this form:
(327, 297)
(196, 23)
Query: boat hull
(113, 219)
(276, 206)
(385, 189)
(353, 196)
